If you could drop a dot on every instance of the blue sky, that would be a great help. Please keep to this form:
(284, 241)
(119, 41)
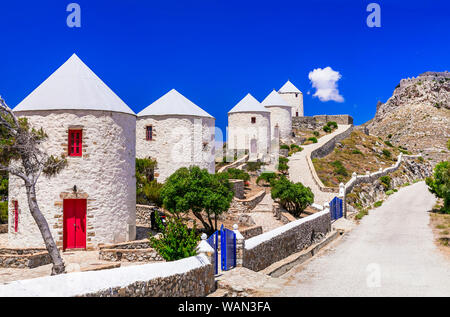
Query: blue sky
(216, 51)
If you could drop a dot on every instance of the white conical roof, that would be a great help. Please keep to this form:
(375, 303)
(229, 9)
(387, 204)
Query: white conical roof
(289, 87)
(174, 103)
(274, 99)
(73, 86)
(248, 104)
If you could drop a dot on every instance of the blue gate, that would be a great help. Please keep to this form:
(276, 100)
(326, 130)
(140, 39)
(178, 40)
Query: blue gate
(336, 208)
(227, 248)
(213, 241)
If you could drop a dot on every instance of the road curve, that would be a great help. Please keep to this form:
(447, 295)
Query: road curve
(391, 253)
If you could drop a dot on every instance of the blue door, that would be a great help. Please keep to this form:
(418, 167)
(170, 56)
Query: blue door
(227, 248)
(336, 208)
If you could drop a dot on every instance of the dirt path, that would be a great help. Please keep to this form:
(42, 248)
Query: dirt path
(391, 253)
(300, 172)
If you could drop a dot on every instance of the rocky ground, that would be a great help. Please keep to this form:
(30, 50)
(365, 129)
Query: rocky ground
(417, 116)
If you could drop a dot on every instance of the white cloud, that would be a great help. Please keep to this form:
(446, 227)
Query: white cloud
(325, 81)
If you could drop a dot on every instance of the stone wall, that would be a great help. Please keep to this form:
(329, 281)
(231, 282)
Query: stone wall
(246, 205)
(188, 277)
(339, 119)
(270, 247)
(238, 188)
(133, 251)
(4, 228)
(251, 232)
(143, 213)
(24, 258)
(317, 122)
(329, 146)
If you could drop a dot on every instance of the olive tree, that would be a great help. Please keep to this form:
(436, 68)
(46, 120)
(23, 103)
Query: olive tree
(439, 184)
(194, 189)
(21, 155)
(293, 197)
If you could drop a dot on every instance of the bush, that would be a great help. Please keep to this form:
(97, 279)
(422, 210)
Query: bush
(3, 186)
(389, 136)
(268, 177)
(361, 214)
(327, 129)
(388, 143)
(294, 149)
(3, 212)
(316, 133)
(389, 192)
(439, 183)
(148, 190)
(313, 139)
(253, 166)
(386, 153)
(386, 182)
(284, 147)
(332, 124)
(282, 164)
(234, 173)
(356, 151)
(176, 241)
(448, 144)
(378, 204)
(339, 168)
(292, 197)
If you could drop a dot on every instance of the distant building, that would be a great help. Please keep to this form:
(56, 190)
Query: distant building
(280, 116)
(249, 127)
(177, 133)
(293, 97)
(93, 200)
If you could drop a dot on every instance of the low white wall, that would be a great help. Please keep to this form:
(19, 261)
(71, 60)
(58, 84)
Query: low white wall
(192, 276)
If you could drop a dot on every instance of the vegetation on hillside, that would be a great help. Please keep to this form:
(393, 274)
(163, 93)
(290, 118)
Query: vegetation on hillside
(358, 153)
(439, 184)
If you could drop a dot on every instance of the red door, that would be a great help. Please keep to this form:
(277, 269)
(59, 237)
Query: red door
(74, 223)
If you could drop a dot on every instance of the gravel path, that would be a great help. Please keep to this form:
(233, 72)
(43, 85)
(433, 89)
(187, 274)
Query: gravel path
(300, 172)
(391, 253)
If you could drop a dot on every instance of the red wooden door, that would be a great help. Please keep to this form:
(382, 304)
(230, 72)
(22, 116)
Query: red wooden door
(74, 223)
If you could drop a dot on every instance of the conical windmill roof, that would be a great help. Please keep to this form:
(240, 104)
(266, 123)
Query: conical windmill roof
(289, 87)
(248, 104)
(73, 86)
(274, 99)
(174, 103)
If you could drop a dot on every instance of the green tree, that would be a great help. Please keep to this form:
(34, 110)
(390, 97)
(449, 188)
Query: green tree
(283, 167)
(3, 186)
(292, 197)
(21, 155)
(176, 241)
(194, 189)
(148, 190)
(439, 184)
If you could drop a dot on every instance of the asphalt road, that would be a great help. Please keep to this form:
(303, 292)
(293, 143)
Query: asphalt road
(391, 253)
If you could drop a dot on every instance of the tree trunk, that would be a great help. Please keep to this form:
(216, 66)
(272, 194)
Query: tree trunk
(58, 263)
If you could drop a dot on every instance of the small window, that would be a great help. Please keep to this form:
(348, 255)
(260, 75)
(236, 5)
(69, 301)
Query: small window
(296, 114)
(149, 133)
(16, 216)
(253, 119)
(75, 142)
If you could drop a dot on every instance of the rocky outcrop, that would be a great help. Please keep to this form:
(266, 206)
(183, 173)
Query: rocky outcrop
(417, 116)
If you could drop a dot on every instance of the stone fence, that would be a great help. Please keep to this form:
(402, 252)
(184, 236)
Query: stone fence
(132, 251)
(143, 213)
(246, 205)
(234, 164)
(316, 122)
(259, 252)
(193, 276)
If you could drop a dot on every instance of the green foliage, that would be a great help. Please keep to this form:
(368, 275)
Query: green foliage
(284, 147)
(327, 129)
(196, 190)
(356, 151)
(388, 143)
(268, 177)
(282, 164)
(313, 139)
(389, 192)
(386, 182)
(234, 173)
(339, 168)
(294, 149)
(316, 133)
(293, 197)
(3, 212)
(378, 204)
(448, 144)
(439, 184)
(3, 186)
(389, 136)
(176, 241)
(148, 190)
(361, 214)
(253, 166)
(386, 153)
(332, 124)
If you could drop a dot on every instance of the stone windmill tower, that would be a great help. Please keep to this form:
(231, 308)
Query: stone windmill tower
(293, 97)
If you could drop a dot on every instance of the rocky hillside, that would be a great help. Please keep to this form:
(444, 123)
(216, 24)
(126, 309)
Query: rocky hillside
(417, 116)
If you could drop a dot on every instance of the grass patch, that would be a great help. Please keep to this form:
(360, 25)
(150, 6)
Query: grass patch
(361, 214)
(378, 204)
(389, 192)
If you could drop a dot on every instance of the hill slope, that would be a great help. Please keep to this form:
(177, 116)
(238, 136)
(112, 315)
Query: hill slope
(417, 116)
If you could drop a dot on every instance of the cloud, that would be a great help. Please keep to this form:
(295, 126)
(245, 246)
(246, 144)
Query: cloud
(325, 81)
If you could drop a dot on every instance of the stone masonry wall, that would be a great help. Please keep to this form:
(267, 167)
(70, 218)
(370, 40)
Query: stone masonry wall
(246, 205)
(143, 213)
(317, 122)
(270, 247)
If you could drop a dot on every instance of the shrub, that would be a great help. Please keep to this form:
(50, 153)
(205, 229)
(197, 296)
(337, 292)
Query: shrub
(339, 168)
(3, 212)
(439, 183)
(388, 143)
(327, 129)
(294, 149)
(386, 153)
(421, 159)
(268, 177)
(148, 190)
(332, 124)
(176, 241)
(234, 173)
(313, 139)
(389, 192)
(316, 133)
(448, 144)
(378, 204)
(284, 147)
(386, 182)
(389, 136)
(253, 166)
(293, 197)
(282, 164)
(361, 214)
(356, 151)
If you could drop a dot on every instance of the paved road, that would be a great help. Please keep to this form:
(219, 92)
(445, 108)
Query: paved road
(300, 172)
(391, 253)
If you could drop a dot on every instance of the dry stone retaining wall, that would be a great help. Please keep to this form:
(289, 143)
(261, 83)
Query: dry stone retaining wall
(270, 247)
(134, 251)
(24, 258)
(246, 205)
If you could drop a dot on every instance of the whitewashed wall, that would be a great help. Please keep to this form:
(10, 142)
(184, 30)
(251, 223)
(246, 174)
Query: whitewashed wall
(281, 116)
(294, 100)
(241, 131)
(178, 141)
(104, 175)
